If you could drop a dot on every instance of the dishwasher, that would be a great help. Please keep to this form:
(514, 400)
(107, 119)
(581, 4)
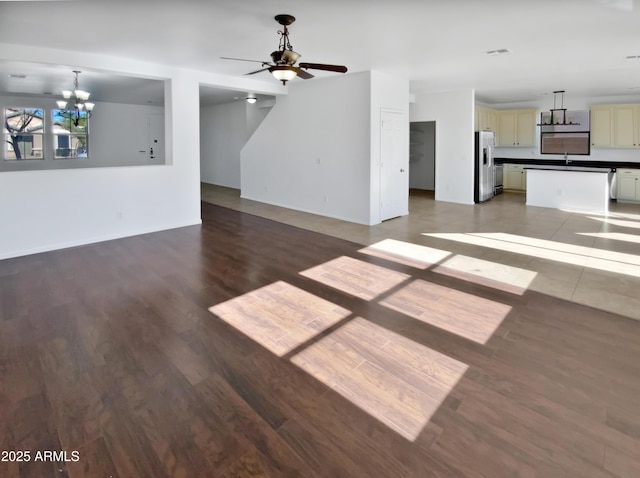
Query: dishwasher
(498, 173)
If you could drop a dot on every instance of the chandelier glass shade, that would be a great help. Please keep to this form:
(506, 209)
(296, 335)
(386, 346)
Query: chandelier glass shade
(79, 98)
(283, 73)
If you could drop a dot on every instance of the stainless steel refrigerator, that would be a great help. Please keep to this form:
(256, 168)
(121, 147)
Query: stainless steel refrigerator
(483, 175)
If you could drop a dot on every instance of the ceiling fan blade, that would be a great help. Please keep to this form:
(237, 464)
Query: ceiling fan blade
(320, 66)
(305, 75)
(241, 59)
(257, 71)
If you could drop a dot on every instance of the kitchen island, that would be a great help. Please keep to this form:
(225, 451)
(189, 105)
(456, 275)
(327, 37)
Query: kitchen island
(570, 188)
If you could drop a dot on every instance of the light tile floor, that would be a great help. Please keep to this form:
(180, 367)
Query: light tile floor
(589, 259)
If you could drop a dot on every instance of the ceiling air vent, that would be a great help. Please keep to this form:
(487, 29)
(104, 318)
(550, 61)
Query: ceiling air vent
(501, 51)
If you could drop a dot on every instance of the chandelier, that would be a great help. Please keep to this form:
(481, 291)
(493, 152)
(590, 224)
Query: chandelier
(79, 98)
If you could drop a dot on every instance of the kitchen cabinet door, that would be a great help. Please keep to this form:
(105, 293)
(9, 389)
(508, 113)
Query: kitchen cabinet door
(602, 127)
(506, 134)
(485, 119)
(624, 119)
(526, 128)
(628, 185)
(514, 177)
(615, 126)
(516, 128)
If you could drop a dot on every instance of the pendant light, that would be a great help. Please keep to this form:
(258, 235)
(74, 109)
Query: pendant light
(558, 116)
(79, 98)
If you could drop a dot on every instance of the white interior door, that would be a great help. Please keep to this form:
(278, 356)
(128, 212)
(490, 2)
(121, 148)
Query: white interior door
(156, 138)
(394, 165)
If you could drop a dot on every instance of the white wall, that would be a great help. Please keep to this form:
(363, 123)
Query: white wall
(387, 93)
(453, 113)
(313, 151)
(45, 210)
(224, 130)
(119, 135)
(223, 133)
(257, 112)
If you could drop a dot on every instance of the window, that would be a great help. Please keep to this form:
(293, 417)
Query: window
(70, 134)
(23, 132)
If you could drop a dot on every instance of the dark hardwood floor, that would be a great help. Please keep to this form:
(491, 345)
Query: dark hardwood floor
(246, 347)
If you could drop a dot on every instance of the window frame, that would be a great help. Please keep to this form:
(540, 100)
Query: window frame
(39, 132)
(58, 119)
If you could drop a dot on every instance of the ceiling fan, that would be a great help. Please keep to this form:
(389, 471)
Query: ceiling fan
(283, 61)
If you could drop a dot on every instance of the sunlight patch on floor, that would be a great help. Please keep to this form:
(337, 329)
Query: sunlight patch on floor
(488, 273)
(590, 257)
(354, 277)
(406, 253)
(394, 379)
(462, 314)
(280, 317)
(631, 224)
(615, 236)
(623, 215)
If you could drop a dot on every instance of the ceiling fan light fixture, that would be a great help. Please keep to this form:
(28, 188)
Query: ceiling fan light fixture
(283, 60)
(283, 73)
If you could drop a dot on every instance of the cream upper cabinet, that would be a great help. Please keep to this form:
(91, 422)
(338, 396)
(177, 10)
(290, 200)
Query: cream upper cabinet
(625, 126)
(602, 126)
(485, 119)
(516, 128)
(506, 133)
(526, 127)
(615, 126)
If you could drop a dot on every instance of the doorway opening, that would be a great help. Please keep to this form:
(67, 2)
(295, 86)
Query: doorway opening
(422, 158)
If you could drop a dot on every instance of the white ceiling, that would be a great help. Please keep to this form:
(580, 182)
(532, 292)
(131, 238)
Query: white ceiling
(576, 45)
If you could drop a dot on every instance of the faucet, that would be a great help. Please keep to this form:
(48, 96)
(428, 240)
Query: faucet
(566, 160)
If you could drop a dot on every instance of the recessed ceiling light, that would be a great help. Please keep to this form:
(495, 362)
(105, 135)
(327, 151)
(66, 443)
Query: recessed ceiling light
(20, 77)
(633, 57)
(501, 51)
